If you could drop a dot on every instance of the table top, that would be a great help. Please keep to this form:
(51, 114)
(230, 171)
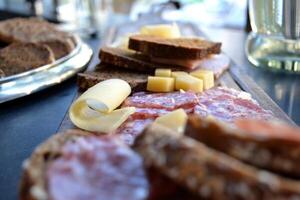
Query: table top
(26, 122)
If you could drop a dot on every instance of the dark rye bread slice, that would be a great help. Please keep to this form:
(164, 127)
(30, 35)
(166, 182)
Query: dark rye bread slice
(207, 172)
(21, 57)
(272, 146)
(33, 181)
(176, 48)
(136, 80)
(37, 31)
(129, 59)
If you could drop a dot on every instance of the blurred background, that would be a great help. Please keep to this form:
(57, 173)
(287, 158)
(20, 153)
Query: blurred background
(88, 15)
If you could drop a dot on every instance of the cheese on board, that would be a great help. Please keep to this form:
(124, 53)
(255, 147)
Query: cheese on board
(163, 72)
(106, 95)
(174, 120)
(88, 119)
(206, 75)
(160, 84)
(178, 73)
(161, 30)
(188, 82)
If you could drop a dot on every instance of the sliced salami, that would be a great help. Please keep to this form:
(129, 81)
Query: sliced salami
(97, 168)
(228, 104)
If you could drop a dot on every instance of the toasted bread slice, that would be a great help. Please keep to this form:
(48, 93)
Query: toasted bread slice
(37, 31)
(129, 59)
(268, 145)
(136, 80)
(176, 48)
(206, 172)
(21, 57)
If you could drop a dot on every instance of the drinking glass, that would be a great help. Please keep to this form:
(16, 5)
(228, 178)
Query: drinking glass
(274, 40)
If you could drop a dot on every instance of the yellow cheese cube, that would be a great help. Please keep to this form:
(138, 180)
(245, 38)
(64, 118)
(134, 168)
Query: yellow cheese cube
(163, 72)
(160, 84)
(161, 30)
(188, 82)
(206, 75)
(178, 73)
(174, 120)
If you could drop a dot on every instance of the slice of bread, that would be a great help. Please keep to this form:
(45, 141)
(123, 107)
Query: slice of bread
(209, 173)
(33, 182)
(21, 57)
(136, 80)
(129, 59)
(176, 48)
(35, 30)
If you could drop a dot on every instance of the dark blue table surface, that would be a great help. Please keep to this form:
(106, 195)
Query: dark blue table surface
(26, 122)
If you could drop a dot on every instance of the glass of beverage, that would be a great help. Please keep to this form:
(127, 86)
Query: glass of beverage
(275, 38)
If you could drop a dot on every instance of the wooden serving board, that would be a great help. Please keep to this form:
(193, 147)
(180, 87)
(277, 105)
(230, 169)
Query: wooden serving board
(233, 78)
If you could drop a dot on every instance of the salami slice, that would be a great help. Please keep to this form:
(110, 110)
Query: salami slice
(97, 168)
(166, 101)
(228, 104)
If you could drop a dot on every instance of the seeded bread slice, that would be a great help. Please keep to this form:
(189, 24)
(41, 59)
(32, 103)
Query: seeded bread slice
(136, 80)
(21, 57)
(33, 182)
(176, 48)
(206, 172)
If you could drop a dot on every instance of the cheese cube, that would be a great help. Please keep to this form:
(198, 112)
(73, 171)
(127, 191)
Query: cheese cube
(178, 73)
(161, 30)
(206, 75)
(188, 82)
(163, 72)
(160, 84)
(174, 120)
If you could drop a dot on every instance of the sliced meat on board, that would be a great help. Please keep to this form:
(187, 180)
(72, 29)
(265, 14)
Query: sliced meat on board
(226, 104)
(220, 103)
(97, 168)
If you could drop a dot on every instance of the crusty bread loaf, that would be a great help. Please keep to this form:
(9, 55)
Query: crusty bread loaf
(33, 182)
(136, 80)
(21, 57)
(209, 173)
(35, 30)
(129, 59)
(176, 48)
(275, 153)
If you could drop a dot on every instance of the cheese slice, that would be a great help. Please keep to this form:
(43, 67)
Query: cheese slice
(88, 119)
(206, 75)
(163, 72)
(188, 82)
(160, 84)
(174, 120)
(106, 95)
(161, 30)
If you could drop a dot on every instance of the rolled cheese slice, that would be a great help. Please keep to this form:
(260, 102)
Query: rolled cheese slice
(106, 95)
(94, 109)
(88, 119)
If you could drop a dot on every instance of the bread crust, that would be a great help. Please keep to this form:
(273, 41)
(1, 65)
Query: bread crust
(271, 153)
(33, 182)
(209, 173)
(137, 81)
(177, 48)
